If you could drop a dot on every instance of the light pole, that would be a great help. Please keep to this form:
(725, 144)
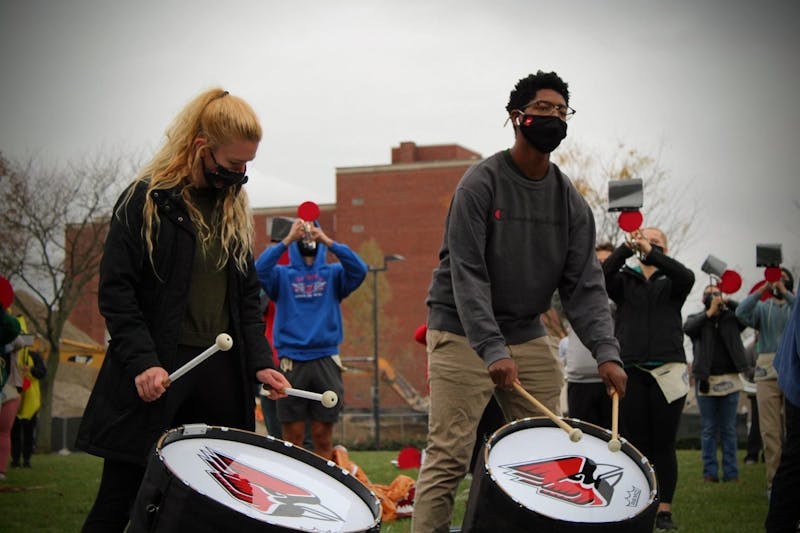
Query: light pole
(376, 402)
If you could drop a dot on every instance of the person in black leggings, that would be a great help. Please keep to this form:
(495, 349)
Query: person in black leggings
(649, 327)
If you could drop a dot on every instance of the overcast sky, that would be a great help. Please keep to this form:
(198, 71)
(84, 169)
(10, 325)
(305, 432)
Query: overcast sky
(710, 88)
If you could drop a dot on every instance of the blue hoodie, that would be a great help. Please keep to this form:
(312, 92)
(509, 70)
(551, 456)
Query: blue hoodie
(787, 359)
(308, 319)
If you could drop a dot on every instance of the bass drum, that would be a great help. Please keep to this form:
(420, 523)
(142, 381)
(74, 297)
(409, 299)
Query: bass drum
(207, 478)
(531, 477)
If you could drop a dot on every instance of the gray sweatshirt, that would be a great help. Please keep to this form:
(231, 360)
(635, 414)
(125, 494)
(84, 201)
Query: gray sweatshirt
(509, 243)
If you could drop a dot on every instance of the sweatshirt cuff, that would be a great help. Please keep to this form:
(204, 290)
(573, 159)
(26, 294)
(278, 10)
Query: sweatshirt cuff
(494, 353)
(607, 352)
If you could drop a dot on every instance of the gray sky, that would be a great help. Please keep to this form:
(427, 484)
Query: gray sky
(708, 87)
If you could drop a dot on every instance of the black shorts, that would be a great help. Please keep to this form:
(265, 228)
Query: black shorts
(318, 375)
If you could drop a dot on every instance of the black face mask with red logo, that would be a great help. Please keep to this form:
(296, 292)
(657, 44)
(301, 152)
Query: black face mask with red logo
(543, 132)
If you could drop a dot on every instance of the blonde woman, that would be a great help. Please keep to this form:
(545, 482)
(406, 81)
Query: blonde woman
(177, 270)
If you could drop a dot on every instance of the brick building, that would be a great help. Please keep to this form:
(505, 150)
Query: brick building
(381, 210)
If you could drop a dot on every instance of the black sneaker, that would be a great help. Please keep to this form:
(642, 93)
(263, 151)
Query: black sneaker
(664, 521)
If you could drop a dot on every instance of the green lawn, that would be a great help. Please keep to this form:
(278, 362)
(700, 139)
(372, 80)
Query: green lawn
(56, 494)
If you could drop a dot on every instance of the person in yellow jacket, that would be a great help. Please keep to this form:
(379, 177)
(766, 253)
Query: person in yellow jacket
(23, 434)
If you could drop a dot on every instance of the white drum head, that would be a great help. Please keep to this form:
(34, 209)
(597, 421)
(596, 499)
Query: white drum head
(542, 470)
(267, 485)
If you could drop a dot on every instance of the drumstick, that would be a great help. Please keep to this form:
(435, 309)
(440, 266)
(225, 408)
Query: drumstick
(614, 444)
(327, 398)
(575, 434)
(223, 342)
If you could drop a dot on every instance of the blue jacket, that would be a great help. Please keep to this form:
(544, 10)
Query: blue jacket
(787, 359)
(308, 319)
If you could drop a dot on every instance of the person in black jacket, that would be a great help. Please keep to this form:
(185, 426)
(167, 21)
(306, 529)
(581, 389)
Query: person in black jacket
(648, 324)
(719, 357)
(177, 270)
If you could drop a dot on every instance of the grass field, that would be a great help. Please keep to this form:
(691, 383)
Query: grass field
(56, 494)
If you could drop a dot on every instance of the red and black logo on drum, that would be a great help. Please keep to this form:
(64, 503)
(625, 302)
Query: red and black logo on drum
(265, 493)
(574, 479)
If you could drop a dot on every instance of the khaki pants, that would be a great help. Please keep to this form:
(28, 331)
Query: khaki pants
(770, 421)
(460, 389)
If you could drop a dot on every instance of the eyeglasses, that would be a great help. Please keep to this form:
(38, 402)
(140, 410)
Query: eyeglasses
(543, 107)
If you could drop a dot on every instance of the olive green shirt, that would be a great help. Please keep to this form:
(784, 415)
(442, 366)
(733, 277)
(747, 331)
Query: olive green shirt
(207, 307)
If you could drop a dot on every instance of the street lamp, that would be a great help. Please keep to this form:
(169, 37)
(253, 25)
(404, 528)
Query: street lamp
(376, 402)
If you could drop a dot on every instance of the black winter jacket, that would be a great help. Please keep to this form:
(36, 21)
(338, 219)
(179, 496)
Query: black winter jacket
(648, 323)
(703, 332)
(143, 307)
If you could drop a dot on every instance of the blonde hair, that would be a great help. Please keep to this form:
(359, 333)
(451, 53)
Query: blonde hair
(220, 118)
(663, 235)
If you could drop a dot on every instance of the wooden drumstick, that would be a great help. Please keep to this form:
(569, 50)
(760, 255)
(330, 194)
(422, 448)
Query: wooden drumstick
(614, 445)
(223, 342)
(327, 398)
(575, 434)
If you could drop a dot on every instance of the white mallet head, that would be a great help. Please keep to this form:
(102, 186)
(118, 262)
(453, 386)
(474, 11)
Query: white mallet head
(224, 342)
(614, 445)
(575, 435)
(329, 398)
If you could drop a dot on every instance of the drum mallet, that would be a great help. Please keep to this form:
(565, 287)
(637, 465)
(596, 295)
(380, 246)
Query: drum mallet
(575, 434)
(223, 342)
(614, 444)
(327, 398)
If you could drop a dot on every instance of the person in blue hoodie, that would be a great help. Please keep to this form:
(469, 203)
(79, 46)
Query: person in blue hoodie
(784, 513)
(308, 324)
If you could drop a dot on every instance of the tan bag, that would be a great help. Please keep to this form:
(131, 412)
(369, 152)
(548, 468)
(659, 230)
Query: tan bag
(723, 384)
(672, 378)
(765, 370)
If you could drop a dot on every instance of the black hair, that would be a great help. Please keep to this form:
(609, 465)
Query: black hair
(789, 286)
(604, 246)
(527, 87)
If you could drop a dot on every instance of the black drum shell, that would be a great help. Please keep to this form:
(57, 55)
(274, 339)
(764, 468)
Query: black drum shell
(490, 509)
(165, 503)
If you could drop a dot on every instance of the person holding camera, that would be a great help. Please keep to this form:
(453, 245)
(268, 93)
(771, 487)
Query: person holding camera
(719, 357)
(769, 317)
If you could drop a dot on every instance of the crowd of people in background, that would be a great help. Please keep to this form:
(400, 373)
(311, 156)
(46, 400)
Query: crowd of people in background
(181, 229)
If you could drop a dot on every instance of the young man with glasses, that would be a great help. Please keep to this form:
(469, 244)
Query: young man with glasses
(517, 230)
(719, 357)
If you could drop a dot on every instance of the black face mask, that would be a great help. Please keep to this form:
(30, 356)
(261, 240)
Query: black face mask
(222, 178)
(307, 249)
(707, 301)
(646, 261)
(544, 133)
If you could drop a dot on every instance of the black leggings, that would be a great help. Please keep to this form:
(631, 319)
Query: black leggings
(118, 487)
(23, 439)
(651, 425)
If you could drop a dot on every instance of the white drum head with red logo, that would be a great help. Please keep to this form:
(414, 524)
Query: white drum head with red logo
(542, 470)
(267, 485)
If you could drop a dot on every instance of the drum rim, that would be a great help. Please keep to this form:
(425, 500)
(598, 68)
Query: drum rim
(639, 459)
(200, 431)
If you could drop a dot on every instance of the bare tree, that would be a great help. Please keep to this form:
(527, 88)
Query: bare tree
(666, 206)
(54, 224)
